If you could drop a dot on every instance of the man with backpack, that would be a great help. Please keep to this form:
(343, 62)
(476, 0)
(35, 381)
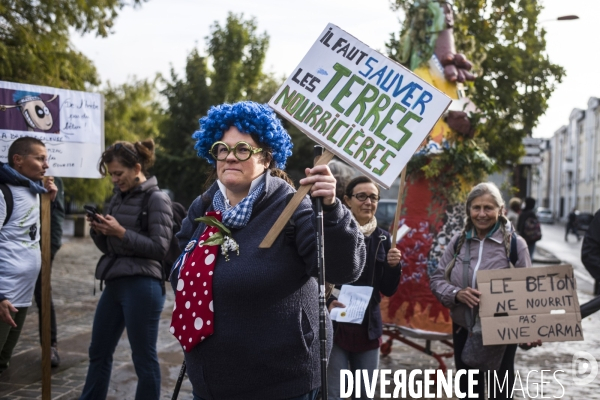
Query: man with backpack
(21, 260)
(528, 225)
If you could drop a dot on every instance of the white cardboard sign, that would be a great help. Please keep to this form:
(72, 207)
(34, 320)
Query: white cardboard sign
(522, 305)
(365, 108)
(70, 123)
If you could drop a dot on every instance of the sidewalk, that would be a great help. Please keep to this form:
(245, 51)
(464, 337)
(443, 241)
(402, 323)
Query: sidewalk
(544, 256)
(73, 293)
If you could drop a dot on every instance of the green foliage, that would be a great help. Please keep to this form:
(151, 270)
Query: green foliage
(507, 45)
(236, 53)
(517, 78)
(34, 40)
(132, 113)
(35, 49)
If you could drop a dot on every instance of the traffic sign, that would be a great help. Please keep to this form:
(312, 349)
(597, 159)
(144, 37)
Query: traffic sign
(530, 160)
(529, 141)
(533, 151)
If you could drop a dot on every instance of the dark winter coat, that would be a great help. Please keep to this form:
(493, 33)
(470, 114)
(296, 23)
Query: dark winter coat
(139, 251)
(590, 250)
(266, 339)
(379, 275)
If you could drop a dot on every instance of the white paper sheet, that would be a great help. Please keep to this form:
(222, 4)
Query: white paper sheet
(356, 299)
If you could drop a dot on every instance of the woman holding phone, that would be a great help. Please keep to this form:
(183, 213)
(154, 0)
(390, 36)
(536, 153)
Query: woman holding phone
(131, 268)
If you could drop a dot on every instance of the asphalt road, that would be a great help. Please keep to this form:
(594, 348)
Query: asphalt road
(553, 240)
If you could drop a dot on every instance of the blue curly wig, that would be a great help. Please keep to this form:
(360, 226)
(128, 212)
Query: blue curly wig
(248, 117)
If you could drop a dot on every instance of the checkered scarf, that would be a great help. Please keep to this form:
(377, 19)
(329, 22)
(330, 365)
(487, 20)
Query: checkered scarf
(238, 215)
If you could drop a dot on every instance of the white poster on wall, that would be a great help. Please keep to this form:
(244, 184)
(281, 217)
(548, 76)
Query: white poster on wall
(70, 123)
(365, 108)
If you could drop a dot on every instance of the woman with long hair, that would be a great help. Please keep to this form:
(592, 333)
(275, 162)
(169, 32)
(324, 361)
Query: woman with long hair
(485, 243)
(133, 246)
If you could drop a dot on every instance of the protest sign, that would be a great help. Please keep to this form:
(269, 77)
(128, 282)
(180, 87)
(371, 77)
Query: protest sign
(70, 123)
(367, 109)
(521, 305)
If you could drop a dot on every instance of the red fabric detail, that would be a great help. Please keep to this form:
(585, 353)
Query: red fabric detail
(193, 314)
(413, 304)
(355, 338)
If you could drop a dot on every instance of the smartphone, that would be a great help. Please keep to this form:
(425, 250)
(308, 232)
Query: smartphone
(92, 211)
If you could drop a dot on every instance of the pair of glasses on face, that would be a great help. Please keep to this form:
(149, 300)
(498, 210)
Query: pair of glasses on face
(242, 151)
(119, 146)
(363, 197)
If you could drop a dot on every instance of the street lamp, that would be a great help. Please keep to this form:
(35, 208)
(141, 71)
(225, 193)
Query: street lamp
(567, 18)
(561, 18)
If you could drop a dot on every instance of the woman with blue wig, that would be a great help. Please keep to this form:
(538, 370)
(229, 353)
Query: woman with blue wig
(248, 318)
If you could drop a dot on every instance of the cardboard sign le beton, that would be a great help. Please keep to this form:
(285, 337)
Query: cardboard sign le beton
(521, 305)
(365, 108)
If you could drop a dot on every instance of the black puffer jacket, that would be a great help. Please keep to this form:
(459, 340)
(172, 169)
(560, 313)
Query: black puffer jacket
(138, 252)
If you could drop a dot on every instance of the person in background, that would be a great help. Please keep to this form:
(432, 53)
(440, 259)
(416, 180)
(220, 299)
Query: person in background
(57, 217)
(514, 209)
(572, 225)
(247, 317)
(132, 268)
(485, 244)
(21, 260)
(356, 346)
(590, 251)
(528, 226)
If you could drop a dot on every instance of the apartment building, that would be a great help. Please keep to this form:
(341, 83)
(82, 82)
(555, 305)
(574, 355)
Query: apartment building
(569, 175)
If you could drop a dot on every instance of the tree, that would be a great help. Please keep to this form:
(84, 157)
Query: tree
(236, 52)
(35, 49)
(507, 44)
(34, 40)
(132, 112)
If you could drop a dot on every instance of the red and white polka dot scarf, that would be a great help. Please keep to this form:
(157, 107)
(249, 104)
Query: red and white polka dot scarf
(193, 314)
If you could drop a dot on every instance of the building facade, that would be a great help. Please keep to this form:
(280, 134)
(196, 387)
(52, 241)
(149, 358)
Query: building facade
(569, 176)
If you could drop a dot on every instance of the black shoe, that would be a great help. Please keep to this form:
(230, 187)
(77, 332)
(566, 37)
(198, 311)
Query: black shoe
(54, 357)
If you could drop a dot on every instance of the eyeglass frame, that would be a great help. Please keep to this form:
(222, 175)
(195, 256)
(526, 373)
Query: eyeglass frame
(253, 150)
(118, 146)
(367, 197)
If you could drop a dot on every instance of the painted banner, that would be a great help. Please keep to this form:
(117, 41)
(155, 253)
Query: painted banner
(70, 123)
(365, 108)
(521, 305)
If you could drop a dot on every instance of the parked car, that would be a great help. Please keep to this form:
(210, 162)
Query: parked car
(583, 221)
(386, 209)
(544, 215)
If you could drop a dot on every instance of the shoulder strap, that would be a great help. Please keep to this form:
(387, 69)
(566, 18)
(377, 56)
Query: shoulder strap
(514, 254)
(143, 217)
(466, 264)
(9, 200)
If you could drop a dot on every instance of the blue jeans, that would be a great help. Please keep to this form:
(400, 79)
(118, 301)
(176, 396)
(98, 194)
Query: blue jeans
(342, 359)
(531, 247)
(134, 303)
(312, 395)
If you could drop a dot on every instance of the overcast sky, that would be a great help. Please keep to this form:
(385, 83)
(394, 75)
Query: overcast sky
(162, 33)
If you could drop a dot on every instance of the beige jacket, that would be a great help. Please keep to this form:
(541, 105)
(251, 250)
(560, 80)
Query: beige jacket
(486, 254)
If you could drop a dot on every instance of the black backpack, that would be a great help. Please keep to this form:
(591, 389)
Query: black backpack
(179, 213)
(10, 202)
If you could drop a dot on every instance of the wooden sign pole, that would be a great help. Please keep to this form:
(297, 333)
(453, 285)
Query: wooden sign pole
(46, 260)
(291, 207)
(399, 206)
